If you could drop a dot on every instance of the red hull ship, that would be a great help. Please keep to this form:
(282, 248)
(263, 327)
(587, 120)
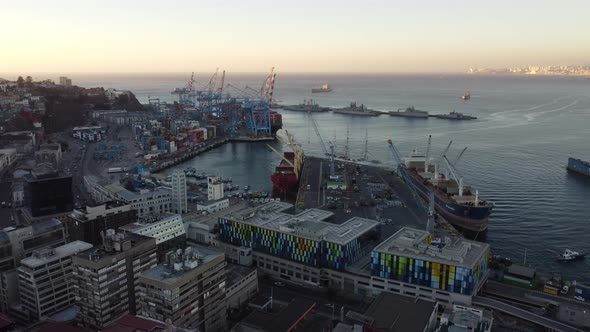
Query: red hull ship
(285, 179)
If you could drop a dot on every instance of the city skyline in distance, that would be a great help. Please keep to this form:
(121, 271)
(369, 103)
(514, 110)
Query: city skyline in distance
(329, 37)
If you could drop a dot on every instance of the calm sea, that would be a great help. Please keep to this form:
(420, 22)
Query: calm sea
(516, 156)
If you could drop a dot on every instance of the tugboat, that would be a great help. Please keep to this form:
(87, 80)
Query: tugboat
(569, 255)
(466, 95)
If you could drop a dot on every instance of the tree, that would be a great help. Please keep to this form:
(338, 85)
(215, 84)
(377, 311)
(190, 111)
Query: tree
(20, 81)
(29, 80)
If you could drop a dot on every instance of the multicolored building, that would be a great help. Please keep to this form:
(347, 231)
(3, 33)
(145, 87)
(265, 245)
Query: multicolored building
(304, 238)
(413, 256)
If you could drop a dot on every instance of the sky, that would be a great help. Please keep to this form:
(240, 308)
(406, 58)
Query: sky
(366, 36)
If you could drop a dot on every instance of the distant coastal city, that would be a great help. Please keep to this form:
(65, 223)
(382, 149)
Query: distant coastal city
(535, 70)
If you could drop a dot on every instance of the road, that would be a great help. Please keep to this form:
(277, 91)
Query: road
(523, 314)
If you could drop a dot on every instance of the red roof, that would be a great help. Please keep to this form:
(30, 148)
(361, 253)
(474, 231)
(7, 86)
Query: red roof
(130, 323)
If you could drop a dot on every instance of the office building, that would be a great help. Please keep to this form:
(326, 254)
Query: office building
(49, 153)
(179, 201)
(214, 188)
(167, 229)
(105, 278)
(45, 280)
(87, 224)
(411, 256)
(65, 81)
(187, 291)
(241, 285)
(392, 312)
(47, 192)
(305, 238)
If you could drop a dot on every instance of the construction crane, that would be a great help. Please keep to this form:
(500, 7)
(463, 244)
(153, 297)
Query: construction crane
(269, 86)
(458, 179)
(401, 170)
(459, 157)
(323, 145)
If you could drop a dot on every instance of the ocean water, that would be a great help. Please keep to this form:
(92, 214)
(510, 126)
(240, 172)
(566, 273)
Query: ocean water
(527, 127)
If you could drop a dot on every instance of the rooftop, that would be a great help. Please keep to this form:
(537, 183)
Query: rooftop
(183, 262)
(309, 224)
(284, 320)
(151, 220)
(130, 323)
(393, 312)
(235, 273)
(47, 255)
(415, 243)
(115, 244)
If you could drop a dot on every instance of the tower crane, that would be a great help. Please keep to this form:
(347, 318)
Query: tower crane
(323, 145)
(403, 173)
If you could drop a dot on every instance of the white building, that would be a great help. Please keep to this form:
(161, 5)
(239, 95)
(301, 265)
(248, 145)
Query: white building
(45, 280)
(179, 201)
(212, 206)
(64, 81)
(7, 158)
(214, 188)
(162, 228)
(146, 201)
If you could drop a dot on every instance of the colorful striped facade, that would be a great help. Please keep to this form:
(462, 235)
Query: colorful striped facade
(316, 253)
(421, 272)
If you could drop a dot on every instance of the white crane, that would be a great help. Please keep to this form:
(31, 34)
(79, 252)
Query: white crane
(323, 145)
(439, 160)
(402, 172)
(458, 179)
(459, 157)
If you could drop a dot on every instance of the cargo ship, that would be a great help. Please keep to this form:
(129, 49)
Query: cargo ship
(454, 115)
(578, 166)
(410, 112)
(323, 88)
(276, 122)
(354, 109)
(456, 202)
(285, 178)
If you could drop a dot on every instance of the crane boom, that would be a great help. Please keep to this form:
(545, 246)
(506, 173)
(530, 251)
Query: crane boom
(459, 157)
(323, 145)
(402, 171)
(459, 179)
(439, 160)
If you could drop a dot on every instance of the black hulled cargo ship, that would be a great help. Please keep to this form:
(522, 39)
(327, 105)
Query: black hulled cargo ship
(458, 204)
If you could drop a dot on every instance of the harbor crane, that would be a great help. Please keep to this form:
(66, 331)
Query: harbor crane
(404, 175)
(323, 145)
(459, 157)
(440, 159)
(458, 179)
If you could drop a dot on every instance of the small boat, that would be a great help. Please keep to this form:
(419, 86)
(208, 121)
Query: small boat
(570, 255)
(466, 95)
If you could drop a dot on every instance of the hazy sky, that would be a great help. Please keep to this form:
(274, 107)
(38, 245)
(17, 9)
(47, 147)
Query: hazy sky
(294, 36)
